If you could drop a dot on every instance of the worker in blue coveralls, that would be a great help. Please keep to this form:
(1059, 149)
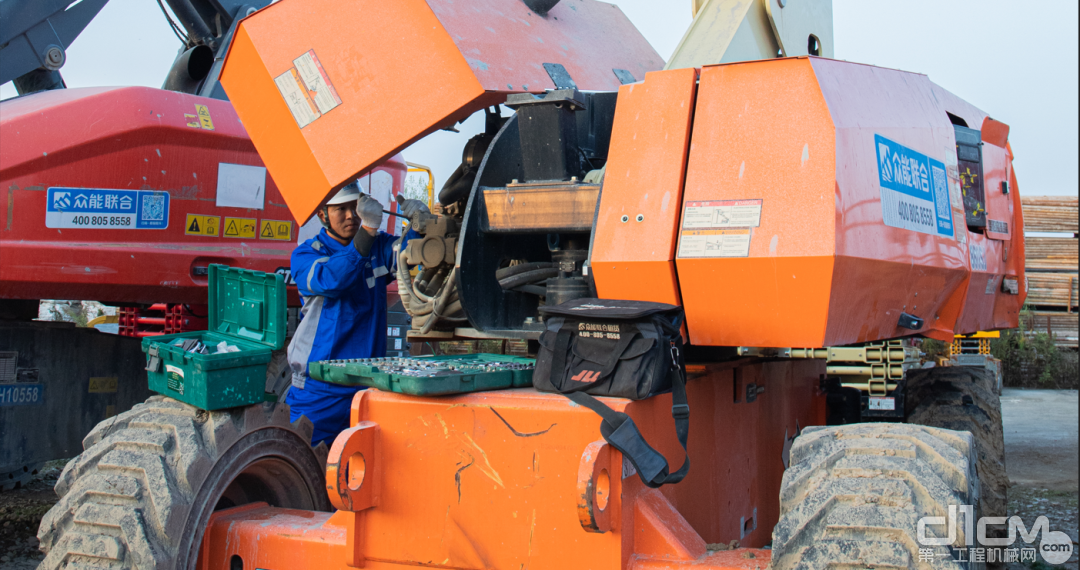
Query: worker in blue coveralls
(342, 274)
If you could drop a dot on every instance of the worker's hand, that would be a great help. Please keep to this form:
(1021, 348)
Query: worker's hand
(409, 208)
(370, 211)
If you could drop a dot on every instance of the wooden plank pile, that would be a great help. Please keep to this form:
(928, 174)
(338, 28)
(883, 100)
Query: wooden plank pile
(1051, 266)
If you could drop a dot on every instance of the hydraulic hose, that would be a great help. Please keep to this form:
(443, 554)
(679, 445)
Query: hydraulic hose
(505, 272)
(528, 278)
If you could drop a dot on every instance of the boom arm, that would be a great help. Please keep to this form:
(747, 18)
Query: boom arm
(34, 37)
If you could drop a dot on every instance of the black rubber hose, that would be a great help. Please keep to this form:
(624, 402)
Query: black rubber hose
(528, 278)
(533, 290)
(522, 268)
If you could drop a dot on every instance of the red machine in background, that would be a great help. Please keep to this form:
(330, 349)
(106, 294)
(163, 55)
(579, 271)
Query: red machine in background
(125, 196)
(71, 160)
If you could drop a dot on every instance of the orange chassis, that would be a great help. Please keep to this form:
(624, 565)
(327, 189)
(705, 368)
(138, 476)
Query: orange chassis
(520, 479)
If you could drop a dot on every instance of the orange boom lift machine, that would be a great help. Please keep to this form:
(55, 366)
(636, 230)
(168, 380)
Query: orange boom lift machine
(809, 215)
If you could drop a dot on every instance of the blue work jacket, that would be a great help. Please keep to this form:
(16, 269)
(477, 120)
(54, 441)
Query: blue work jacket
(344, 296)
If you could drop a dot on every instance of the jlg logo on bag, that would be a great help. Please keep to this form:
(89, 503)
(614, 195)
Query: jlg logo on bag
(586, 376)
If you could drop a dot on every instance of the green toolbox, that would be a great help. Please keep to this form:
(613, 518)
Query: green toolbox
(223, 367)
(429, 376)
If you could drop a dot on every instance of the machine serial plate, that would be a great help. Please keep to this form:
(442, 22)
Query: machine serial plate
(882, 404)
(21, 394)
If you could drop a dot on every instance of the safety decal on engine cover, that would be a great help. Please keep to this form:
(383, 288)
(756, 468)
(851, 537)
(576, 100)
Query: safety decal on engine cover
(104, 209)
(307, 89)
(914, 190)
(718, 228)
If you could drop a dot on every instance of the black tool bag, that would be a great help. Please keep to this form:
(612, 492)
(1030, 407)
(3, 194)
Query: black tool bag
(623, 349)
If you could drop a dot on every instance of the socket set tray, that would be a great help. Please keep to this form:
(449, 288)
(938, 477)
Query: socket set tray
(428, 376)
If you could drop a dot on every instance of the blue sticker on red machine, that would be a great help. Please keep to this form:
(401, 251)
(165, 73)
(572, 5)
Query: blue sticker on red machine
(914, 189)
(104, 209)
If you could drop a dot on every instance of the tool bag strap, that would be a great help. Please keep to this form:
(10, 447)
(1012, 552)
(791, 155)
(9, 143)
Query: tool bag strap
(619, 430)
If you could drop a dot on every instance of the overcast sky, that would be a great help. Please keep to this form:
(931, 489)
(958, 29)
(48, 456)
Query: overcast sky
(1016, 61)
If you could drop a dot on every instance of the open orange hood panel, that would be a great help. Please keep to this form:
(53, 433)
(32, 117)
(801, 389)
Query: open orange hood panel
(329, 88)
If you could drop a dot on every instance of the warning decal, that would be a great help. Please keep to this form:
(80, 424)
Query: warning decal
(204, 117)
(722, 214)
(296, 97)
(715, 243)
(200, 225)
(318, 84)
(719, 228)
(104, 385)
(307, 90)
(240, 228)
(275, 229)
(914, 190)
(201, 119)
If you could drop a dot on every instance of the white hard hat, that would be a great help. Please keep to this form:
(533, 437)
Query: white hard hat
(350, 193)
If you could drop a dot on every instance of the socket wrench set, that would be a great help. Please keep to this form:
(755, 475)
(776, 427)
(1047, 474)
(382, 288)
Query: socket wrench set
(428, 376)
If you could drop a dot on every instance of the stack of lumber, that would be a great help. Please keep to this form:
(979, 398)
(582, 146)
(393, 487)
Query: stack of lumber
(1050, 214)
(1051, 254)
(1051, 267)
(1052, 290)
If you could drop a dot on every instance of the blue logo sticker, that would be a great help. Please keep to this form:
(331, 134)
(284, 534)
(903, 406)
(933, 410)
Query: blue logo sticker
(914, 189)
(96, 208)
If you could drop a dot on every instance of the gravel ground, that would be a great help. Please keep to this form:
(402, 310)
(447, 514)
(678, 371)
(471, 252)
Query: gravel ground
(1040, 453)
(1042, 461)
(20, 513)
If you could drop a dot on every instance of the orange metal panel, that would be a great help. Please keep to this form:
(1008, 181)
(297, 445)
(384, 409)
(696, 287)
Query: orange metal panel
(763, 132)
(821, 266)
(645, 170)
(1007, 307)
(401, 70)
(377, 56)
(494, 480)
(266, 537)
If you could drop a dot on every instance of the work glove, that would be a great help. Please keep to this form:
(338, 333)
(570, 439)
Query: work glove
(409, 208)
(370, 211)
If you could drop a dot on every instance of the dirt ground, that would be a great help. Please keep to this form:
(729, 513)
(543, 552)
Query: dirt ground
(1040, 452)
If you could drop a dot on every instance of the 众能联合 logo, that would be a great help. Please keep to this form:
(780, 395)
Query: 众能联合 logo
(1056, 547)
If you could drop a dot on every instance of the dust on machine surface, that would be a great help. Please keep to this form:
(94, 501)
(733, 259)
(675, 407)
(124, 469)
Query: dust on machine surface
(805, 243)
(123, 195)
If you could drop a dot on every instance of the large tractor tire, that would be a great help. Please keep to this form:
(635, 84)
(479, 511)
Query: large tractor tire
(142, 492)
(853, 496)
(963, 399)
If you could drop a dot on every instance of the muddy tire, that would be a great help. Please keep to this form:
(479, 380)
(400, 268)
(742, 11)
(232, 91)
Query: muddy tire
(278, 374)
(853, 495)
(141, 493)
(963, 399)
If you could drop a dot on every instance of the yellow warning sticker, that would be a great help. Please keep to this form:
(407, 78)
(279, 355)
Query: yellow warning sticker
(204, 117)
(105, 385)
(240, 228)
(275, 229)
(192, 120)
(200, 225)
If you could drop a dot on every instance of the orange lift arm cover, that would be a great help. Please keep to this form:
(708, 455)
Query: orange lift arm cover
(634, 242)
(393, 72)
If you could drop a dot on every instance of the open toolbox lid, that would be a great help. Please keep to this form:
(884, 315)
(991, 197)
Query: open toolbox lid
(248, 304)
